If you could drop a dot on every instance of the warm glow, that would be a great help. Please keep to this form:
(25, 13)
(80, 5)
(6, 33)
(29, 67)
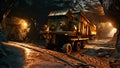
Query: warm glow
(112, 32)
(75, 27)
(24, 24)
(27, 52)
(109, 24)
(93, 32)
(24, 28)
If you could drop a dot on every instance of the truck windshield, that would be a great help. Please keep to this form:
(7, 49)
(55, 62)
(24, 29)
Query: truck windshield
(62, 25)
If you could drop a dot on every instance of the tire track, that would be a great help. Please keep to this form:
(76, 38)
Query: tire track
(74, 62)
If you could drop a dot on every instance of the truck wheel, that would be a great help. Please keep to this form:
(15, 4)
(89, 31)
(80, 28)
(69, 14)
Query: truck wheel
(67, 48)
(78, 46)
(83, 44)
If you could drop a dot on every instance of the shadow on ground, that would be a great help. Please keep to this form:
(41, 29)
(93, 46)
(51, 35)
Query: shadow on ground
(13, 57)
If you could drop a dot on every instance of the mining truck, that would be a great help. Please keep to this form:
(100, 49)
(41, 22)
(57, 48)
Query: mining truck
(67, 30)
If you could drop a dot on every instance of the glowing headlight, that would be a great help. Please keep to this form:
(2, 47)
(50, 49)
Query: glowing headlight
(110, 24)
(24, 24)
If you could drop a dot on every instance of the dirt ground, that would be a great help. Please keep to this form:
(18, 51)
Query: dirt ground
(28, 55)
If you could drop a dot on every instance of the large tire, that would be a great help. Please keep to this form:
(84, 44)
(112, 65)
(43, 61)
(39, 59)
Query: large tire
(67, 48)
(83, 44)
(78, 46)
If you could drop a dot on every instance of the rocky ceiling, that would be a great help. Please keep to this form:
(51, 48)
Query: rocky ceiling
(39, 9)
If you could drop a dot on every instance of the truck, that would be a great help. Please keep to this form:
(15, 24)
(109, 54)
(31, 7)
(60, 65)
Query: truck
(68, 30)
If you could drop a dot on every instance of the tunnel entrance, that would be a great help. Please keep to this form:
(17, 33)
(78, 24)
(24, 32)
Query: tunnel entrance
(16, 28)
(106, 30)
